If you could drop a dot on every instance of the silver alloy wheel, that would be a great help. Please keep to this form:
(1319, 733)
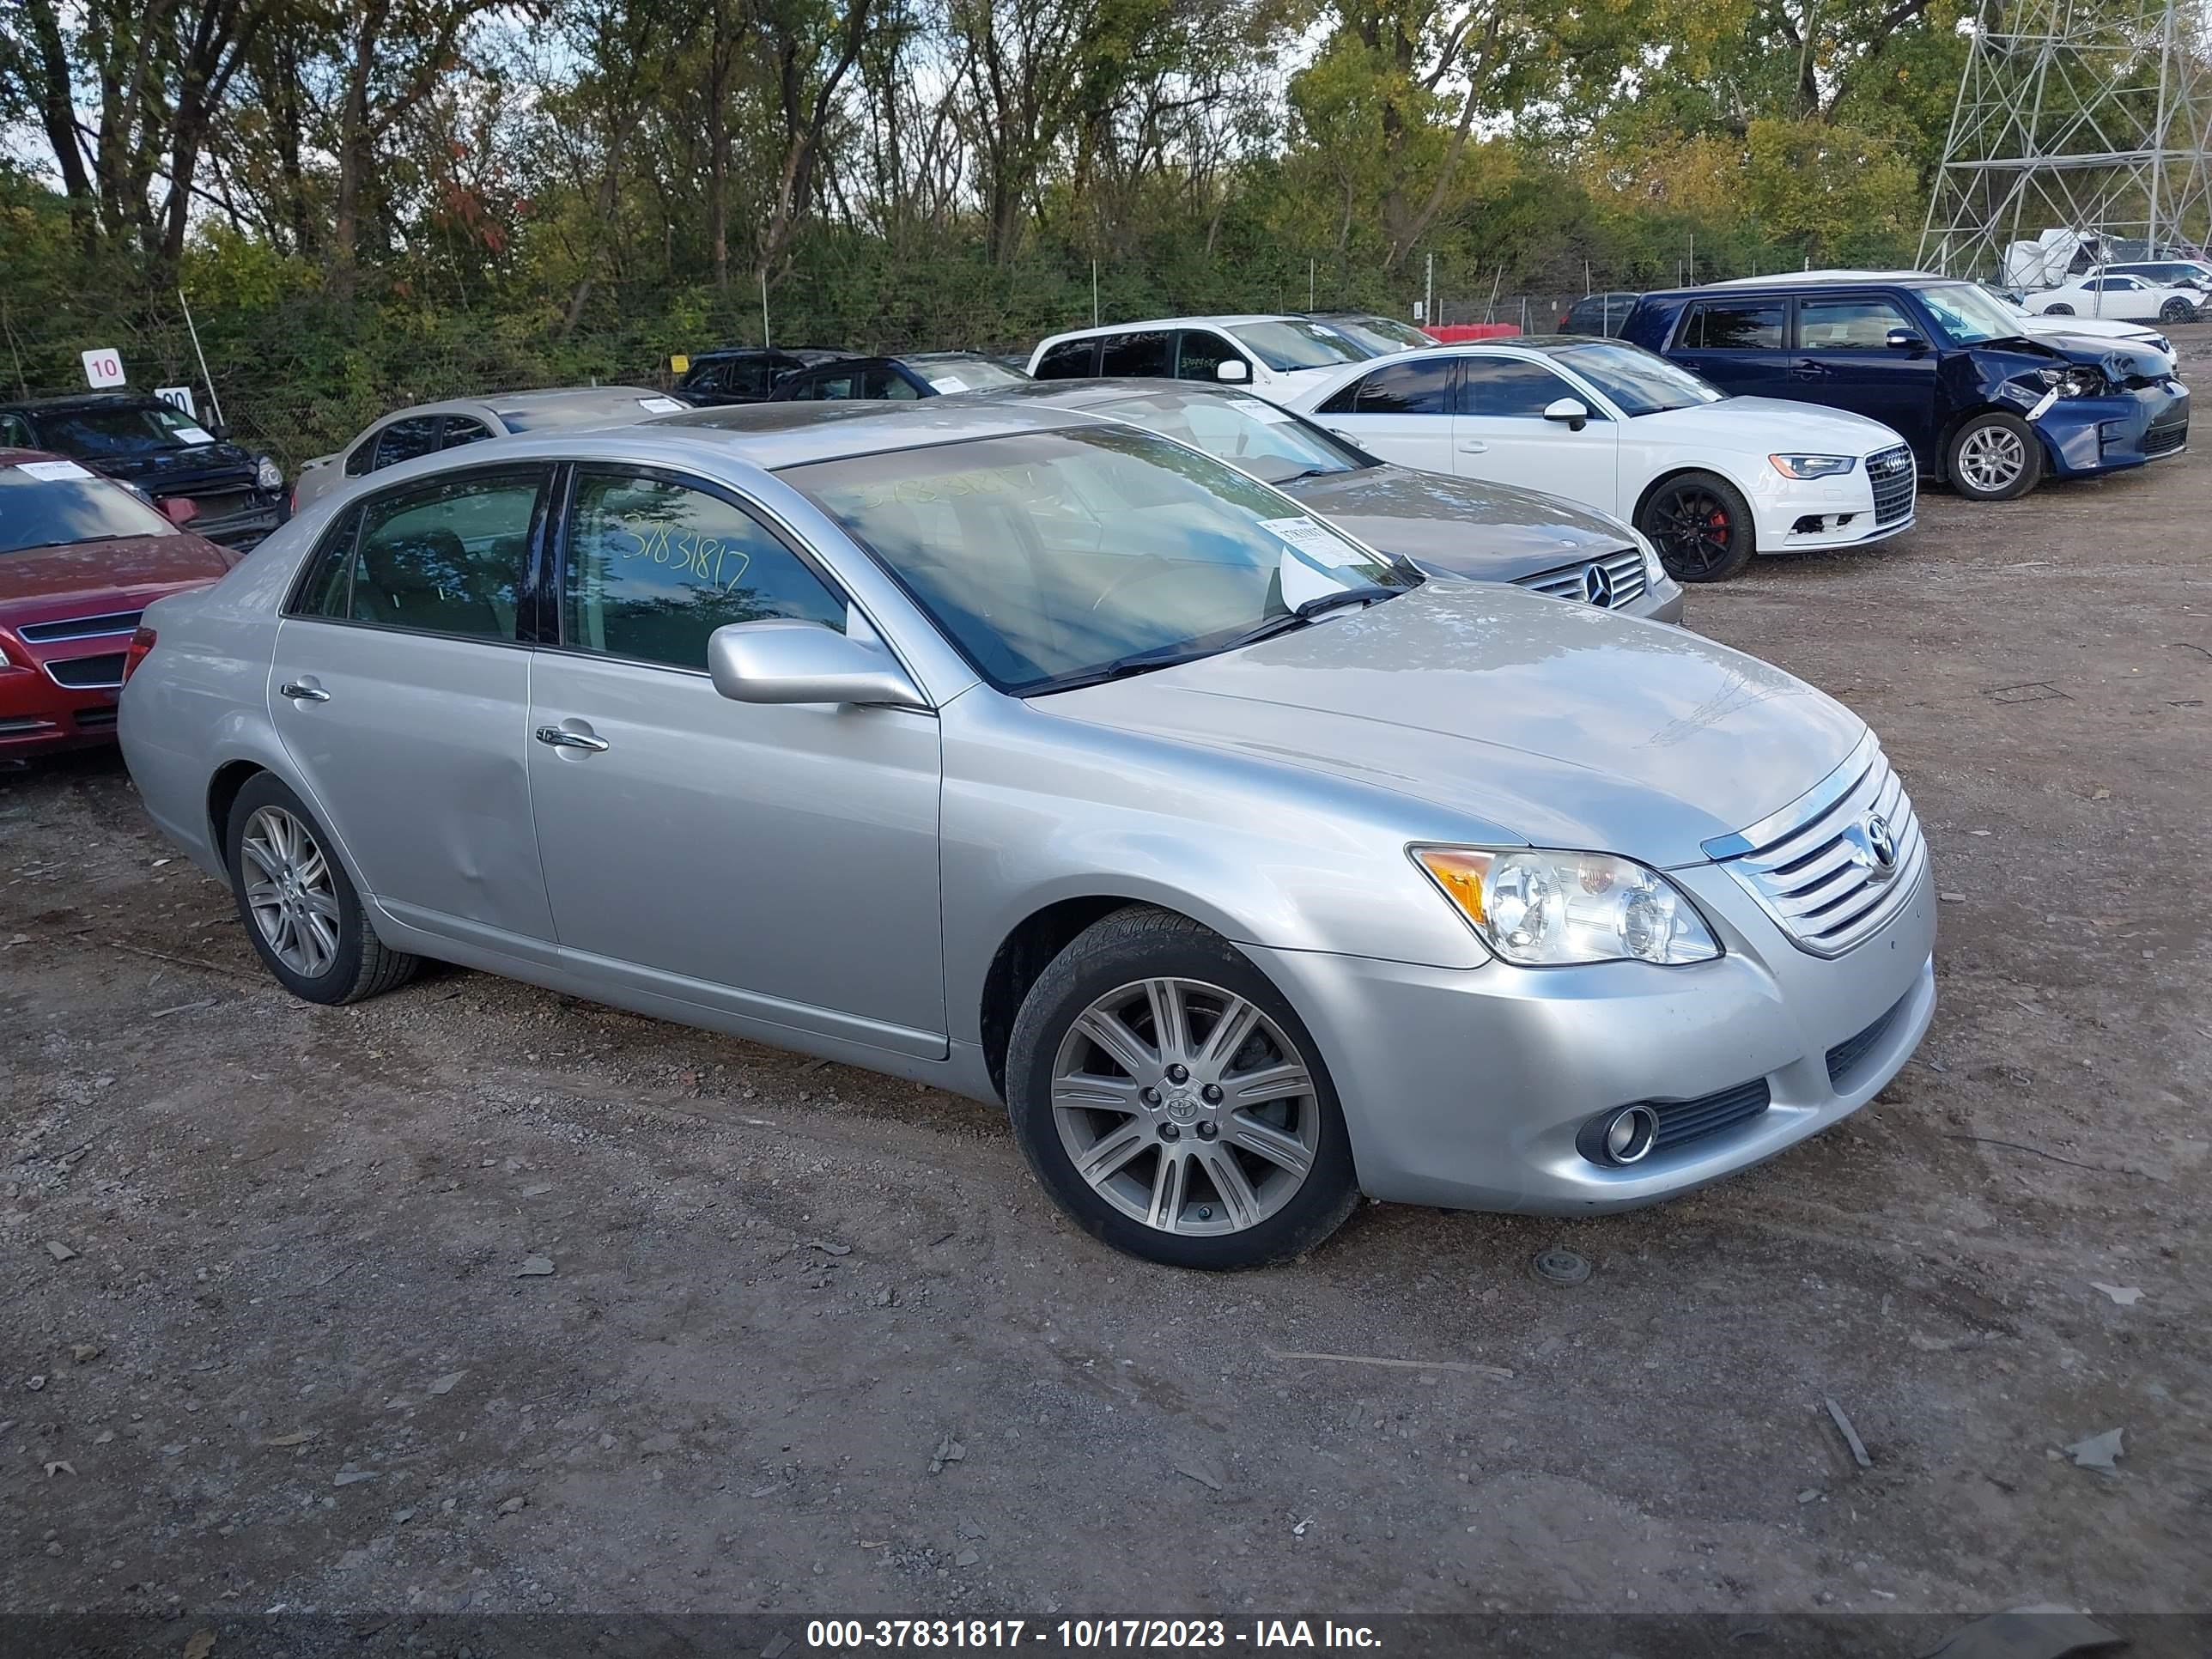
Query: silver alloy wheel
(1992, 457)
(289, 891)
(1185, 1106)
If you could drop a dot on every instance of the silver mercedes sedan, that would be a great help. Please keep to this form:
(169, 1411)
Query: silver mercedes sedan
(1048, 760)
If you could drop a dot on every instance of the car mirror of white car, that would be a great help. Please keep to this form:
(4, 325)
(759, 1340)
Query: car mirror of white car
(1232, 368)
(785, 660)
(1570, 412)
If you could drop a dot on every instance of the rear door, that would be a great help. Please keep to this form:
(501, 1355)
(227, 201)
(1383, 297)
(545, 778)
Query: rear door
(1737, 344)
(401, 689)
(776, 861)
(1501, 433)
(1401, 411)
(1844, 360)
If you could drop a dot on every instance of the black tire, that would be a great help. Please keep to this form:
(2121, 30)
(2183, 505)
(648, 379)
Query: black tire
(2058, 311)
(2177, 310)
(359, 965)
(1969, 463)
(1141, 943)
(1701, 525)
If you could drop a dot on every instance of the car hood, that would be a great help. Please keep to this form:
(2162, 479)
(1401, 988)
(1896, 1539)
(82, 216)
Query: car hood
(1767, 423)
(2121, 359)
(1487, 531)
(186, 470)
(85, 578)
(1562, 725)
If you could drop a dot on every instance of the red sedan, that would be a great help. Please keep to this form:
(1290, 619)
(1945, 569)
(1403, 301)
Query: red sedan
(80, 557)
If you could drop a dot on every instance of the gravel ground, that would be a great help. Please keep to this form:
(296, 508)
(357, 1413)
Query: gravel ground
(813, 1340)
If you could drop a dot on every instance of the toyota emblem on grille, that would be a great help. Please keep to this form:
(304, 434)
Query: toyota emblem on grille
(1598, 584)
(1874, 847)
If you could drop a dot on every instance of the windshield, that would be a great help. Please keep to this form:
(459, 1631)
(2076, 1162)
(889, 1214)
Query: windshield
(1251, 435)
(973, 374)
(53, 503)
(1293, 344)
(1639, 382)
(1969, 315)
(1383, 335)
(1051, 558)
(118, 429)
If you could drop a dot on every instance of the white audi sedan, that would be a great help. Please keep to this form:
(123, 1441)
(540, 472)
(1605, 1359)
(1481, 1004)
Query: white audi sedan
(1710, 478)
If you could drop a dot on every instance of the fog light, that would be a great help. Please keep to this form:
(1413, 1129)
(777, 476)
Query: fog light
(1625, 1136)
(1808, 525)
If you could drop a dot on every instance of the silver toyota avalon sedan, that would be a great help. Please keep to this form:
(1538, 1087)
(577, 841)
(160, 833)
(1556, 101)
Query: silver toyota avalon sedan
(1048, 760)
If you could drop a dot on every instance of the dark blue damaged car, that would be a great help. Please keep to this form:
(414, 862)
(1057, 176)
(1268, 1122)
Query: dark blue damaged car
(1987, 407)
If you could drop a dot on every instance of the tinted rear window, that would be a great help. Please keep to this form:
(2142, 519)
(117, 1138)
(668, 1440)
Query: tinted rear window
(1071, 360)
(1744, 325)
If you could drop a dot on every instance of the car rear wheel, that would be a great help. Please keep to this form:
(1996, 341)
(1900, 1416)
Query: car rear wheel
(1701, 525)
(300, 908)
(1170, 1098)
(2177, 310)
(1995, 456)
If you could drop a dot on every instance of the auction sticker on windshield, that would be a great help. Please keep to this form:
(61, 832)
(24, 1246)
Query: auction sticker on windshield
(1261, 411)
(1316, 541)
(52, 472)
(949, 383)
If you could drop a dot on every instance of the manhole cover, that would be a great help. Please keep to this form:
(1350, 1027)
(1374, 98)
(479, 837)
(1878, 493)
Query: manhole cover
(1560, 1268)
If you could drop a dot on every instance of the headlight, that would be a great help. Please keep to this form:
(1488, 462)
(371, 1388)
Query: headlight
(2079, 382)
(1812, 466)
(1544, 909)
(269, 475)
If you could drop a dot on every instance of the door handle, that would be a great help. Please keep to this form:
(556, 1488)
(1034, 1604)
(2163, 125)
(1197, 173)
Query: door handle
(301, 691)
(1809, 372)
(1472, 447)
(556, 736)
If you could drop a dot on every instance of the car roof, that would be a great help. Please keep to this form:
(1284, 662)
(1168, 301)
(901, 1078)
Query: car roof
(773, 436)
(1092, 391)
(1225, 320)
(1817, 279)
(80, 400)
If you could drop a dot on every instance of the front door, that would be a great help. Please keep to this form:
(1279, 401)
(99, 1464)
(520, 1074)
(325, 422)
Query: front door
(778, 862)
(401, 689)
(1501, 433)
(1843, 359)
(1400, 411)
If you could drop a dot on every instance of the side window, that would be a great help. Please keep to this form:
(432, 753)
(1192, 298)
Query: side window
(892, 386)
(833, 386)
(362, 459)
(1848, 324)
(1747, 325)
(15, 430)
(1423, 388)
(1508, 387)
(1071, 360)
(1199, 352)
(403, 441)
(445, 558)
(326, 588)
(755, 377)
(460, 430)
(653, 567)
(1145, 355)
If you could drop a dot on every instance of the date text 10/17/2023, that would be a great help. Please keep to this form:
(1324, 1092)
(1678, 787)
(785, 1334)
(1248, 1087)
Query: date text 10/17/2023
(1083, 1635)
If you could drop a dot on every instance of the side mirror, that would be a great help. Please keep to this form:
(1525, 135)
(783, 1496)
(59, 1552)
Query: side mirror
(179, 510)
(1570, 412)
(783, 660)
(1232, 368)
(1904, 339)
(220, 432)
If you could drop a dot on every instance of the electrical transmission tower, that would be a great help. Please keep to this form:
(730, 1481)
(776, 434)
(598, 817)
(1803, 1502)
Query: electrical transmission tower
(2087, 116)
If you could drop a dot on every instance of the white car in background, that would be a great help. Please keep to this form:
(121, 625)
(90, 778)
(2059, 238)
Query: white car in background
(1710, 478)
(1278, 356)
(2128, 299)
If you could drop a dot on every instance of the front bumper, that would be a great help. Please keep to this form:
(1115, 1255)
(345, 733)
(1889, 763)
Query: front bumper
(238, 519)
(1466, 1089)
(2084, 436)
(1790, 515)
(40, 717)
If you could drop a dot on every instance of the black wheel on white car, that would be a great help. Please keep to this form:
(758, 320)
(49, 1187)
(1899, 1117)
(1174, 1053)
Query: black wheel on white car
(2177, 310)
(1170, 1098)
(300, 908)
(1995, 457)
(1701, 525)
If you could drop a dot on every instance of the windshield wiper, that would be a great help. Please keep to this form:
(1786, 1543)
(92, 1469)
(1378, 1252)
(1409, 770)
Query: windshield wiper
(1145, 662)
(1310, 472)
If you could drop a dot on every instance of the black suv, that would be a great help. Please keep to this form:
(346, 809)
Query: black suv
(749, 375)
(1952, 370)
(237, 496)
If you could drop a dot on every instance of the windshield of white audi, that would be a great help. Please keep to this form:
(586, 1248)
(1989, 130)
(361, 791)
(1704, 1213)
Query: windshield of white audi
(1291, 344)
(1057, 559)
(1250, 433)
(1639, 382)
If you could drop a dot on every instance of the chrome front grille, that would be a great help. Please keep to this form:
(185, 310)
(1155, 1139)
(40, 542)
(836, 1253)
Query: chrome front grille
(1815, 866)
(1618, 580)
(80, 628)
(1894, 478)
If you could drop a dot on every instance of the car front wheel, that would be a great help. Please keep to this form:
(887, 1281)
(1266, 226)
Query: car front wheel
(1170, 1098)
(300, 908)
(1701, 525)
(2177, 310)
(1995, 456)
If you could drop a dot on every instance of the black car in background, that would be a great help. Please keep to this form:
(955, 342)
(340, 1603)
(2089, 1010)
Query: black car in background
(747, 374)
(238, 496)
(898, 380)
(1602, 314)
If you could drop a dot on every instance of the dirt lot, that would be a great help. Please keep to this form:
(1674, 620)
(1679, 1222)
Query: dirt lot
(814, 1341)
